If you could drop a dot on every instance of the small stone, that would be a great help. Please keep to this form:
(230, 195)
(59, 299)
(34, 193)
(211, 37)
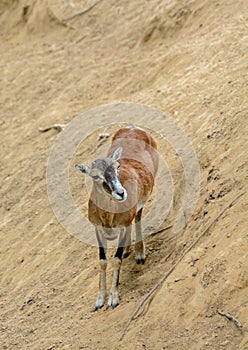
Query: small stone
(103, 135)
(30, 301)
(225, 343)
(50, 347)
(178, 279)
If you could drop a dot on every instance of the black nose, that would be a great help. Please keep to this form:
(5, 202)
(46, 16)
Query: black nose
(121, 194)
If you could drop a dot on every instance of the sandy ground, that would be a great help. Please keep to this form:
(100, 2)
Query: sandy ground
(185, 58)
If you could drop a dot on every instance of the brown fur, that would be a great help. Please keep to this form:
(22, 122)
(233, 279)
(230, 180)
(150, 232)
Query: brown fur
(140, 165)
(134, 150)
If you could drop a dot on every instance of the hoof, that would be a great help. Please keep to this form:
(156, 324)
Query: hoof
(140, 258)
(113, 300)
(140, 261)
(100, 300)
(97, 308)
(112, 305)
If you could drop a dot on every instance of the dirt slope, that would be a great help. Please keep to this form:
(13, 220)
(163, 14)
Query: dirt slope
(186, 58)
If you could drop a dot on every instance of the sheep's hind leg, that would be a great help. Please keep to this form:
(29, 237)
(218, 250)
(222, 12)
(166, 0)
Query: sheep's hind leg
(139, 245)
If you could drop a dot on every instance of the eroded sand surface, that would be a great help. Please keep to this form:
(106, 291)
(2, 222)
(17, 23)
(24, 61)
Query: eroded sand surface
(185, 58)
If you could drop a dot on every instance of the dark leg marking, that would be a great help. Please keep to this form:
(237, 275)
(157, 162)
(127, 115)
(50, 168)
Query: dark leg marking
(139, 245)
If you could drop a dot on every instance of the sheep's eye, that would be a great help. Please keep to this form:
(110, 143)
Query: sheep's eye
(118, 168)
(95, 177)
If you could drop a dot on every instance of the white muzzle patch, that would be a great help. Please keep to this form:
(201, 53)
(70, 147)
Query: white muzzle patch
(120, 195)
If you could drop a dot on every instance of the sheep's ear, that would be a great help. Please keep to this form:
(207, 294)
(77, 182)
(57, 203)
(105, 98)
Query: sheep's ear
(117, 154)
(83, 169)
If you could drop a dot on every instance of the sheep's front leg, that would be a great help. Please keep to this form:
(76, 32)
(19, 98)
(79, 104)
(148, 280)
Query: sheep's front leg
(103, 266)
(114, 291)
(139, 245)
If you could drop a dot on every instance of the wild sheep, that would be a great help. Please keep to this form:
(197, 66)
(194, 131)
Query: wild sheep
(122, 183)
